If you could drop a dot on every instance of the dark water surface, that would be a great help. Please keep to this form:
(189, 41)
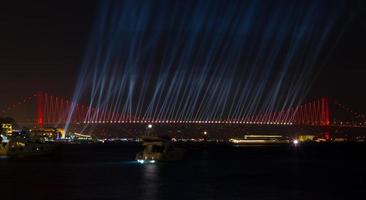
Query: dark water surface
(335, 171)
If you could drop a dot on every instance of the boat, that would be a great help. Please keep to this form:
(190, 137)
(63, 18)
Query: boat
(158, 149)
(22, 146)
(260, 139)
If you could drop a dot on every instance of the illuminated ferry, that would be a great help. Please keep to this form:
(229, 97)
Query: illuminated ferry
(158, 149)
(260, 139)
(22, 147)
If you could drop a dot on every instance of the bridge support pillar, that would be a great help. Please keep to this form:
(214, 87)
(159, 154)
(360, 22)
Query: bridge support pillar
(325, 110)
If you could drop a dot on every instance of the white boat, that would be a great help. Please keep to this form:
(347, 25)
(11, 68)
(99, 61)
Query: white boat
(260, 139)
(158, 149)
(23, 147)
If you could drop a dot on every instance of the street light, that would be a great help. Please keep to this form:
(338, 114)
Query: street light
(204, 132)
(149, 126)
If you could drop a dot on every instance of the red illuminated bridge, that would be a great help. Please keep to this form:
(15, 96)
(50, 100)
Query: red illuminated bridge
(54, 111)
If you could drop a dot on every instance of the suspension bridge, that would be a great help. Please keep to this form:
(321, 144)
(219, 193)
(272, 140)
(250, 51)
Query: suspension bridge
(44, 109)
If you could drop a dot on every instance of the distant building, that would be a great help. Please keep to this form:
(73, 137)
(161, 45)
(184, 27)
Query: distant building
(306, 138)
(50, 133)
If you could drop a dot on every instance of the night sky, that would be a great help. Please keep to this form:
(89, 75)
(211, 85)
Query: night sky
(42, 44)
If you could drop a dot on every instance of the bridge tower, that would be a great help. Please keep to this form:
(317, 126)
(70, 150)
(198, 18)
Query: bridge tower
(325, 117)
(40, 109)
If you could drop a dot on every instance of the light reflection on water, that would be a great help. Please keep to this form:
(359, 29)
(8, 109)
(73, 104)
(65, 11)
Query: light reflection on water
(150, 180)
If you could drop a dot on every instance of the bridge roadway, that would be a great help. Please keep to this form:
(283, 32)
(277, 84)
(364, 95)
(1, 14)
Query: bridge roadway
(220, 131)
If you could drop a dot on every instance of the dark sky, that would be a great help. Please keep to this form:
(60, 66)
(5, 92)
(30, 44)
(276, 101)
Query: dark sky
(343, 75)
(42, 45)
